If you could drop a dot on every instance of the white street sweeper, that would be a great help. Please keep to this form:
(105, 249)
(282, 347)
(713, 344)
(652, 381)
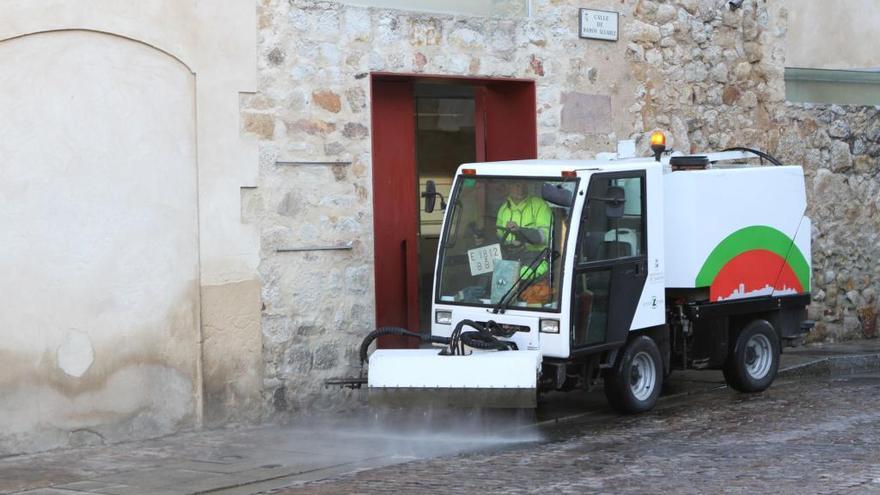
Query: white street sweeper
(563, 275)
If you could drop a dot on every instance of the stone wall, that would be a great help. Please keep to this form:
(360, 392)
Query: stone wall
(715, 79)
(840, 147)
(711, 77)
(313, 104)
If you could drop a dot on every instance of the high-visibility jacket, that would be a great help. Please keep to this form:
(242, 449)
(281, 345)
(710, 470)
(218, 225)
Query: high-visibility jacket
(530, 213)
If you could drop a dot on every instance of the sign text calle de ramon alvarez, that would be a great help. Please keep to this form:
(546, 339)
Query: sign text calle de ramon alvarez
(599, 24)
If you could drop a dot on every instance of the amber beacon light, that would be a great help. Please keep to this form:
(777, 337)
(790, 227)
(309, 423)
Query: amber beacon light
(658, 144)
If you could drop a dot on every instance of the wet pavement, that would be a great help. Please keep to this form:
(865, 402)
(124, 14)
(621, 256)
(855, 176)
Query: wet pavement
(819, 435)
(816, 430)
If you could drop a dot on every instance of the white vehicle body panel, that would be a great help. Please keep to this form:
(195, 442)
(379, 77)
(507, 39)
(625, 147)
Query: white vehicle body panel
(803, 241)
(523, 340)
(704, 207)
(687, 214)
(425, 368)
(651, 309)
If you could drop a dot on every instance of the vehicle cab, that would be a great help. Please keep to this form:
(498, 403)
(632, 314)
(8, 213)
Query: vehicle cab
(562, 255)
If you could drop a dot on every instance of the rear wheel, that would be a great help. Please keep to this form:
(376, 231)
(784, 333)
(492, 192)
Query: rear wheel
(633, 384)
(752, 364)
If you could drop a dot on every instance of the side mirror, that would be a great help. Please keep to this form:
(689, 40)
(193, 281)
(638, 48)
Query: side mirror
(615, 202)
(430, 196)
(556, 194)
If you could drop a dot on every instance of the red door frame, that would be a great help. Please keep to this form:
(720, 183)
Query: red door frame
(506, 129)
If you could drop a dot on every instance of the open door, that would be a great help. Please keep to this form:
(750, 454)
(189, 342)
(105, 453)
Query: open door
(407, 139)
(395, 209)
(510, 131)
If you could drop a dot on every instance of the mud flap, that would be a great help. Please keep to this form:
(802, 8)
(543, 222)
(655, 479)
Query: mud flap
(422, 377)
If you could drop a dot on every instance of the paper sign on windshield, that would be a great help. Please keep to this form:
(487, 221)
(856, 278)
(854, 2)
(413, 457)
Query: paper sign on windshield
(482, 259)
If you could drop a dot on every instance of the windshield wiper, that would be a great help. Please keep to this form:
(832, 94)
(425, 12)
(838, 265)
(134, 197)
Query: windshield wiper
(532, 268)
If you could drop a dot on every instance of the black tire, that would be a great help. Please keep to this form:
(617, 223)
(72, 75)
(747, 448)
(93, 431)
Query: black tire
(623, 382)
(752, 364)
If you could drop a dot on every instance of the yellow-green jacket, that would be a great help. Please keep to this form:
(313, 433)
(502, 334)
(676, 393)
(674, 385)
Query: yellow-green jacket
(530, 213)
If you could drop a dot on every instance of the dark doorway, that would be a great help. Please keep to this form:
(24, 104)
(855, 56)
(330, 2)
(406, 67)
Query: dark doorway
(445, 138)
(424, 128)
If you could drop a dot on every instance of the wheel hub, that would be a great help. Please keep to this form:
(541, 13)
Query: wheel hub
(759, 356)
(636, 375)
(643, 376)
(751, 355)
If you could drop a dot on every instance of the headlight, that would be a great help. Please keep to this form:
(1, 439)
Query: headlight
(549, 326)
(443, 317)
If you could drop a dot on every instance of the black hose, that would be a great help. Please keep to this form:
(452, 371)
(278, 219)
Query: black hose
(479, 340)
(456, 346)
(482, 338)
(399, 332)
(770, 158)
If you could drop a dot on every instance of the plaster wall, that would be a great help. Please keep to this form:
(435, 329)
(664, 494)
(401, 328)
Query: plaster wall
(833, 35)
(123, 248)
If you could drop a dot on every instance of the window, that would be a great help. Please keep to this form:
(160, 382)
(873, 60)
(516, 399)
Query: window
(612, 223)
(494, 8)
(611, 242)
(482, 256)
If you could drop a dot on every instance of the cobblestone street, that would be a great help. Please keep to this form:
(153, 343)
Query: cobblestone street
(814, 431)
(801, 436)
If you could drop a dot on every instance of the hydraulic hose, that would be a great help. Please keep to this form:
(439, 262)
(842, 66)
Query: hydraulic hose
(399, 332)
(766, 156)
(479, 340)
(482, 338)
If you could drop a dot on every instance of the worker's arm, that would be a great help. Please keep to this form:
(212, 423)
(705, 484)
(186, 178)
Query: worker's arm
(501, 221)
(532, 236)
(539, 230)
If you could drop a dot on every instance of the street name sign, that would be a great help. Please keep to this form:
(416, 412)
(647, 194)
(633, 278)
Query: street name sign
(599, 24)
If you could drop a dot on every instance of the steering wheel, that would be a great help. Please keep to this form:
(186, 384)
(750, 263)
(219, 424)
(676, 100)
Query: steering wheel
(507, 247)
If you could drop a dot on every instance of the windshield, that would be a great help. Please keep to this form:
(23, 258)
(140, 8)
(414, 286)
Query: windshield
(499, 231)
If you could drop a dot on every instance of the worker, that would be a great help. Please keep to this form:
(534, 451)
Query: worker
(523, 225)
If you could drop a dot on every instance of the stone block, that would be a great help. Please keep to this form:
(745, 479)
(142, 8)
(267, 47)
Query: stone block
(742, 71)
(232, 351)
(354, 130)
(314, 127)
(261, 124)
(730, 95)
(356, 98)
(275, 56)
(328, 100)
(841, 159)
(426, 32)
(690, 6)
(585, 113)
(852, 328)
(753, 51)
(719, 72)
(665, 13)
(839, 129)
(642, 32)
(326, 356)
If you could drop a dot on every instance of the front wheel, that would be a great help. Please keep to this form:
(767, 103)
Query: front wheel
(633, 384)
(752, 364)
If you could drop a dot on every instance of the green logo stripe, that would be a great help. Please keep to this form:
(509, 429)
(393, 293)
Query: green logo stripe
(750, 238)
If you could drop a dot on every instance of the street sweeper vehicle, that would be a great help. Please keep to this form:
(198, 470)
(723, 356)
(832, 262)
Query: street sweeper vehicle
(567, 275)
